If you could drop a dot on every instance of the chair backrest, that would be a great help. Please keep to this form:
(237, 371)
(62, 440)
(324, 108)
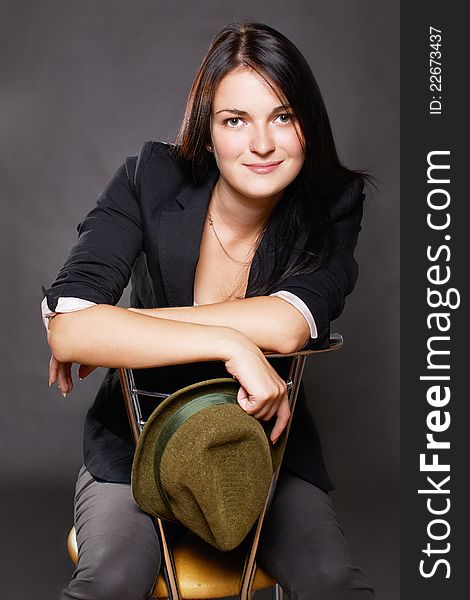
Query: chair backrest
(132, 396)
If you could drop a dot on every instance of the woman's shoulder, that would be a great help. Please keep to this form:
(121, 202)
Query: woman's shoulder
(158, 155)
(346, 197)
(152, 148)
(158, 161)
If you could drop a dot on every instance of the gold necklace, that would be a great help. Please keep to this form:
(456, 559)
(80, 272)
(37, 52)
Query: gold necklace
(240, 262)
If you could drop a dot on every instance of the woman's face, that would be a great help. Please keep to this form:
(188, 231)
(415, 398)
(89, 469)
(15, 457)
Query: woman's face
(255, 138)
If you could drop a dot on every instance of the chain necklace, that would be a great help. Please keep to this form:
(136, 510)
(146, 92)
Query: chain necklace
(240, 262)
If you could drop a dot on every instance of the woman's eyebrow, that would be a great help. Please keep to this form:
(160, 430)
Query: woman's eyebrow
(243, 113)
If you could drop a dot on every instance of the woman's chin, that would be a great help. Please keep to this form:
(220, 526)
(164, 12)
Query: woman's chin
(260, 189)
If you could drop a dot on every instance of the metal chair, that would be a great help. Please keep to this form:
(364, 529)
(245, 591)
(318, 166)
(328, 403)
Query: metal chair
(192, 569)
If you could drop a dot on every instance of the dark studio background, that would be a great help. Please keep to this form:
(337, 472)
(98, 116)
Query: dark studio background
(84, 84)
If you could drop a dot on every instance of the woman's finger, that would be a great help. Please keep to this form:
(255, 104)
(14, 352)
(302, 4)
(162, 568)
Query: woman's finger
(263, 408)
(249, 405)
(270, 412)
(65, 378)
(283, 415)
(244, 400)
(266, 409)
(53, 368)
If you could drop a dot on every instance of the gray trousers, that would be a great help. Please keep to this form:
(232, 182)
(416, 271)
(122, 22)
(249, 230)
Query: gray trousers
(302, 545)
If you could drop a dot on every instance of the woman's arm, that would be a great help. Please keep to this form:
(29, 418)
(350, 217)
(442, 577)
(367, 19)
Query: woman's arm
(110, 336)
(271, 323)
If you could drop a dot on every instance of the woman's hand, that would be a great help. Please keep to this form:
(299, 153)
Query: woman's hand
(62, 373)
(263, 393)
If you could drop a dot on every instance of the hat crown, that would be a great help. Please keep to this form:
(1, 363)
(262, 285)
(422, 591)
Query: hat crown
(175, 421)
(218, 466)
(211, 459)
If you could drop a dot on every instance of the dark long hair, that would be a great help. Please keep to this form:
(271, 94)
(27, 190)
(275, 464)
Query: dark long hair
(302, 213)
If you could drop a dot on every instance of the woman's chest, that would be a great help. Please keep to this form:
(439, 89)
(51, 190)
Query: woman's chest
(218, 277)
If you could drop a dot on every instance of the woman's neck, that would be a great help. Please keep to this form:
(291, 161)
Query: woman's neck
(244, 216)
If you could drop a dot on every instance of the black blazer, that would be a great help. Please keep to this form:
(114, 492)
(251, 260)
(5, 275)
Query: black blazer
(147, 227)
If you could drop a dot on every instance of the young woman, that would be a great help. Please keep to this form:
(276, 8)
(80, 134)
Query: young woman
(238, 239)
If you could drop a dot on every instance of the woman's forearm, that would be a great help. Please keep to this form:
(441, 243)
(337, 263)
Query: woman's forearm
(109, 336)
(270, 323)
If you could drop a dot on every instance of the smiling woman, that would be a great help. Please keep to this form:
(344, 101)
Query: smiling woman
(263, 139)
(238, 238)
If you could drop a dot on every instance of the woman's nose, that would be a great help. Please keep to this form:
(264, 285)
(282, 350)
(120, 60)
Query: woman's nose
(262, 141)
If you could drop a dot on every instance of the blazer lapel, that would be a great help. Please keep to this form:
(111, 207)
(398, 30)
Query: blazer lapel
(179, 239)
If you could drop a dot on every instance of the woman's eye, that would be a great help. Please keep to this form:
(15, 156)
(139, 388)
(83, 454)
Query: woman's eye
(285, 117)
(232, 122)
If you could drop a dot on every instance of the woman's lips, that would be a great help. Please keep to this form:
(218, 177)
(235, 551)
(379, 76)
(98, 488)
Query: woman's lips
(262, 168)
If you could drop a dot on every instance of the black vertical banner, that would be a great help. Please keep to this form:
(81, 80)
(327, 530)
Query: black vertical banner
(435, 237)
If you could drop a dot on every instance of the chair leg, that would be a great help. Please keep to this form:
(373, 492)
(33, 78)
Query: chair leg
(278, 592)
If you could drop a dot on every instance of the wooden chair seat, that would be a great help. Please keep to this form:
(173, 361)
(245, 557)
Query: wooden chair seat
(202, 571)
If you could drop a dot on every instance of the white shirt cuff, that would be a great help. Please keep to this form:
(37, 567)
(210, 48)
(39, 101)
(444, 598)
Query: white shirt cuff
(300, 305)
(64, 305)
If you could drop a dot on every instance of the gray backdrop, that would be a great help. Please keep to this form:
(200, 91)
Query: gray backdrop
(84, 83)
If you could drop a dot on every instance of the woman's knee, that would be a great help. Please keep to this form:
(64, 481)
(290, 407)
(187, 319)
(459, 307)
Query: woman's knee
(304, 548)
(109, 579)
(118, 545)
(118, 585)
(310, 582)
(328, 581)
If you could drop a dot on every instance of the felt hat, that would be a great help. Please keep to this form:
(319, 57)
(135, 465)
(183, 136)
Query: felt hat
(203, 461)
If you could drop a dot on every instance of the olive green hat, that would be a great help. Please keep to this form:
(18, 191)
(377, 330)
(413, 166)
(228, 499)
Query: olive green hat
(203, 461)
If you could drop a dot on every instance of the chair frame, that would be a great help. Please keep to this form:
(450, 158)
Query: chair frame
(131, 398)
